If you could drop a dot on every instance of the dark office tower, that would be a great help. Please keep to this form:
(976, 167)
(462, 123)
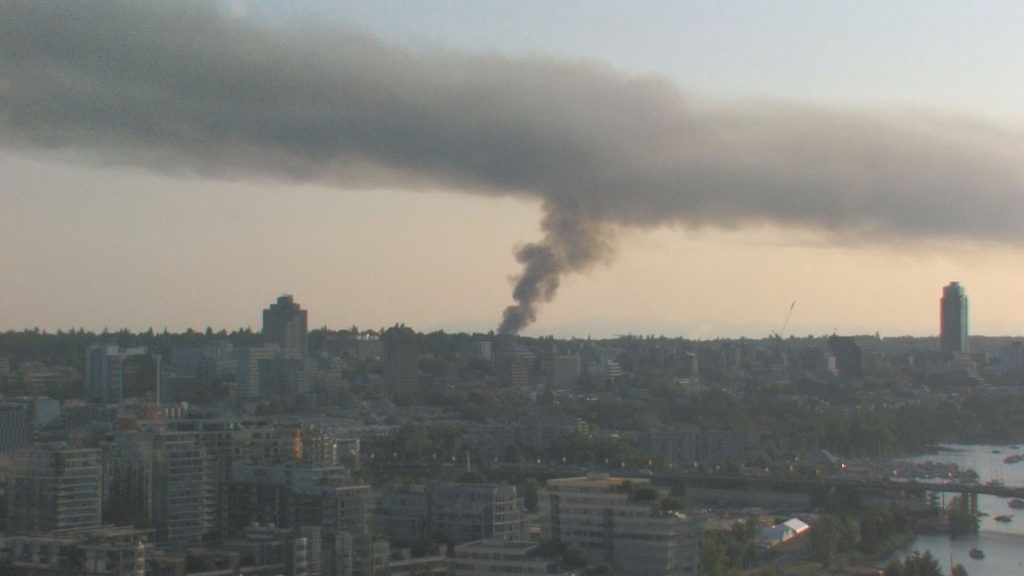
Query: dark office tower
(953, 318)
(401, 361)
(848, 356)
(284, 324)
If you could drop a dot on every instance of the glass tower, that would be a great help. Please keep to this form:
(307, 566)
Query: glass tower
(953, 318)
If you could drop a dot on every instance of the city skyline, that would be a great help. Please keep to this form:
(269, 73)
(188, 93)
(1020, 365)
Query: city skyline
(139, 225)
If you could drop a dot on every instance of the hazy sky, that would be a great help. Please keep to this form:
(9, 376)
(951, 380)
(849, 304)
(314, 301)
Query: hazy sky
(680, 168)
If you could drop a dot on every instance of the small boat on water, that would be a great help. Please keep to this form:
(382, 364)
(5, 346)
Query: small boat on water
(1003, 518)
(976, 553)
(1013, 459)
(1016, 503)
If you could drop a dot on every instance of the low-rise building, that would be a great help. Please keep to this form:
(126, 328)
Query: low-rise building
(502, 557)
(101, 551)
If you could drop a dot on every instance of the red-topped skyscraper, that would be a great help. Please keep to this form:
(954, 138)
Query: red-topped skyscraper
(284, 324)
(953, 318)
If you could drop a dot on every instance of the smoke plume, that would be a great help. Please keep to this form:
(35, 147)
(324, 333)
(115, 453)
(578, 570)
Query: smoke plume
(179, 87)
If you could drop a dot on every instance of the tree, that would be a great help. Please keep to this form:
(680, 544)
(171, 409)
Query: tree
(894, 568)
(829, 535)
(918, 564)
(961, 520)
(876, 527)
(713, 559)
(530, 488)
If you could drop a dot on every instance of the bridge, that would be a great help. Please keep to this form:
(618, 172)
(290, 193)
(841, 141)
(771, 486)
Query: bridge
(793, 484)
(798, 484)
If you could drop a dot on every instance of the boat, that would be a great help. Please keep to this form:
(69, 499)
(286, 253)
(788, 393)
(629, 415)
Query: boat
(1003, 518)
(976, 553)
(1013, 459)
(1016, 503)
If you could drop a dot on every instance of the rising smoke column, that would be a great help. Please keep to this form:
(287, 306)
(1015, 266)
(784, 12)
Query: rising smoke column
(178, 87)
(572, 243)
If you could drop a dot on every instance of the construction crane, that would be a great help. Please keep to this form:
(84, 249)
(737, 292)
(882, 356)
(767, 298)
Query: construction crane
(785, 322)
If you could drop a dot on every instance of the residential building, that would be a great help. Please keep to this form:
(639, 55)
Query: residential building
(295, 496)
(55, 487)
(41, 379)
(17, 425)
(681, 446)
(102, 551)
(456, 513)
(285, 324)
(165, 479)
(720, 446)
(465, 512)
(403, 516)
(480, 350)
(403, 563)
(250, 361)
(273, 550)
(1011, 358)
(564, 371)
(619, 522)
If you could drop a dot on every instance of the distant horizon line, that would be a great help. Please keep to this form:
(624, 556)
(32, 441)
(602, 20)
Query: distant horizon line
(491, 333)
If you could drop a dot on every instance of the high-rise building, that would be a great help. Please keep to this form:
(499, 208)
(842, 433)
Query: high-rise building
(284, 324)
(848, 356)
(619, 521)
(953, 318)
(163, 479)
(17, 425)
(113, 373)
(56, 488)
(401, 361)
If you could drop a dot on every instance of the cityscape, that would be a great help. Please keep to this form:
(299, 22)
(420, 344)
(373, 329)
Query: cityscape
(311, 452)
(464, 288)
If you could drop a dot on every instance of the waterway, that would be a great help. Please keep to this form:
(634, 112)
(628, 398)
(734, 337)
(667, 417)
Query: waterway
(1002, 543)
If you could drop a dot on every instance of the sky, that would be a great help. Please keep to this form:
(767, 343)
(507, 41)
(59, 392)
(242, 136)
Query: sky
(687, 169)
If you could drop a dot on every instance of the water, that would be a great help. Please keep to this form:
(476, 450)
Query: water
(1003, 543)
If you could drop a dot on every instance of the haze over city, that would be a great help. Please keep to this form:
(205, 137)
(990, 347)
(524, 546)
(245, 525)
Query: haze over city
(688, 171)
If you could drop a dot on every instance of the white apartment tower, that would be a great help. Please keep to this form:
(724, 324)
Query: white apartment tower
(619, 522)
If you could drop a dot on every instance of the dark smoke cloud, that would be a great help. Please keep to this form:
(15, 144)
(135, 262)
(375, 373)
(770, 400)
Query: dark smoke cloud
(178, 87)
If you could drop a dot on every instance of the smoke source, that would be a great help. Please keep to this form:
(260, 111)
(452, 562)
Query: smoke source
(179, 87)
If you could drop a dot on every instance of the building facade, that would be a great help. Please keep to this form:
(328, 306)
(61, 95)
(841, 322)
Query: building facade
(953, 319)
(501, 557)
(285, 324)
(609, 522)
(57, 487)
